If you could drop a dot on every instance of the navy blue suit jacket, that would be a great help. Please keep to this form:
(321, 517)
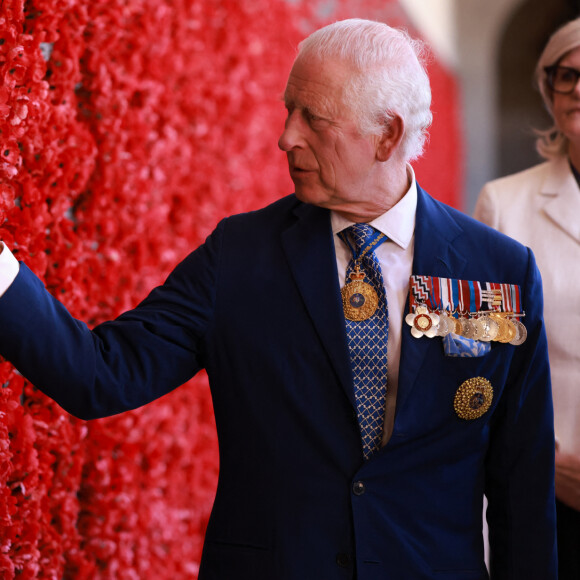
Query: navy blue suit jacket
(258, 306)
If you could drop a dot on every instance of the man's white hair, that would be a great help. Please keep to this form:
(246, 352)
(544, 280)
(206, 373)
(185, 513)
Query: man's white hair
(552, 142)
(388, 78)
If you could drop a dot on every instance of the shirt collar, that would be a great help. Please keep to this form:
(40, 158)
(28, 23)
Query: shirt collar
(398, 223)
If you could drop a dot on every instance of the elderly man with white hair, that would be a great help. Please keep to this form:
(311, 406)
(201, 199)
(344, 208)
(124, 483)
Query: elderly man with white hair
(377, 360)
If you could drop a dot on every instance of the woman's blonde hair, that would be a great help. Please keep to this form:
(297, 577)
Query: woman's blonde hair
(552, 142)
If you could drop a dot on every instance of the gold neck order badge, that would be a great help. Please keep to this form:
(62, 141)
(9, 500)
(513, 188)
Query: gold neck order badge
(359, 298)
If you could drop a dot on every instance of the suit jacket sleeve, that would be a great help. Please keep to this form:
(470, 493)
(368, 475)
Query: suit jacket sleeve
(121, 364)
(520, 459)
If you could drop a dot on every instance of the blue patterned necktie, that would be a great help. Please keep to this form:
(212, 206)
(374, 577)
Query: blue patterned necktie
(367, 339)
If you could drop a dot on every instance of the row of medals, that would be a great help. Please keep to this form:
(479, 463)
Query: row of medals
(486, 326)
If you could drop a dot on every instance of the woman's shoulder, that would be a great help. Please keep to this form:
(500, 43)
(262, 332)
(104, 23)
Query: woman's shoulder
(531, 177)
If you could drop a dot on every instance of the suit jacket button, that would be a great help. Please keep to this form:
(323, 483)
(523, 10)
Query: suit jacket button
(343, 560)
(358, 488)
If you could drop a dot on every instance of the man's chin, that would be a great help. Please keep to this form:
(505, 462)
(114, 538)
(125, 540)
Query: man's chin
(308, 195)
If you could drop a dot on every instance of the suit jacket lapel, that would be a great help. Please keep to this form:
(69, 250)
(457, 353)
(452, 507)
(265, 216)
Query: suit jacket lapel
(309, 249)
(435, 254)
(562, 198)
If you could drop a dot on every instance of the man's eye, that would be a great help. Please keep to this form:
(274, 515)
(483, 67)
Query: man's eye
(313, 117)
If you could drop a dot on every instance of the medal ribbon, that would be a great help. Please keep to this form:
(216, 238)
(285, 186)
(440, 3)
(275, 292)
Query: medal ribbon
(418, 291)
(491, 286)
(449, 303)
(435, 296)
(467, 295)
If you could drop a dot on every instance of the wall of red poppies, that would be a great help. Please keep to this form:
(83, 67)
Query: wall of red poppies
(128, 128)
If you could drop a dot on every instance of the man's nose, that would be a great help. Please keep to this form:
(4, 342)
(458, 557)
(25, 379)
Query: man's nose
(291, 137)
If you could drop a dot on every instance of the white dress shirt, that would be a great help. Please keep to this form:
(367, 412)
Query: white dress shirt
(9, 267)
(396, 260)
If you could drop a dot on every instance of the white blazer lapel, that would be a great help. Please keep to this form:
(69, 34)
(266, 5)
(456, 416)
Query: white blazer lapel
(563, 198)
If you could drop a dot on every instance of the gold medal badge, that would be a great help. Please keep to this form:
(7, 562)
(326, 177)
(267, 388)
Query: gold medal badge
(359, 299)
(468, 329)
(473, 398)
(521, 333)
(490, 328)
(507, 330)
(454, 325)
(445, 325)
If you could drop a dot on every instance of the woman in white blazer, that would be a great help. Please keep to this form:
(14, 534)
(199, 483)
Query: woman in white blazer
(540, 207)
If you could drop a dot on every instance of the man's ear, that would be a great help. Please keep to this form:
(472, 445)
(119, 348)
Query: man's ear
(390, 139)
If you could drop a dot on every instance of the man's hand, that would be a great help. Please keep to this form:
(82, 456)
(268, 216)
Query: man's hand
(568, 479)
